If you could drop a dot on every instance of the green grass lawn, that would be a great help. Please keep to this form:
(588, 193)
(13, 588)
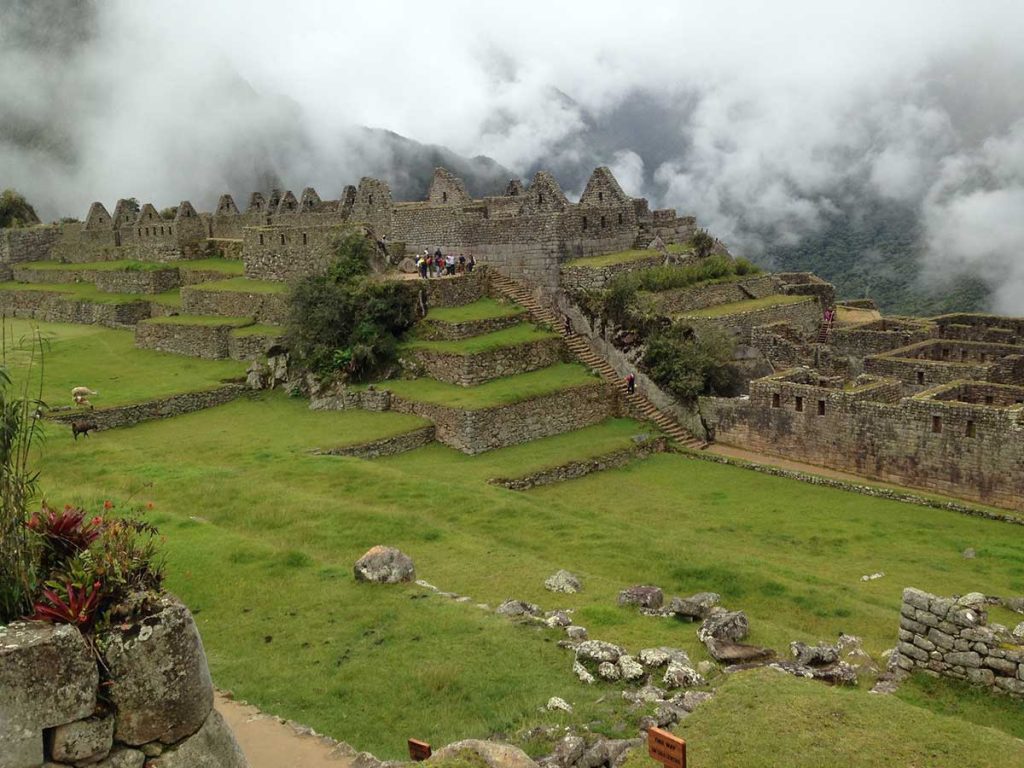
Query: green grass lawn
(79, 291)
(763, 719)
(503, 391)
(242, 285)
(227, 266)
(524, 333)
(98, 266)
(258, 329)
(107, 361)
(237, 322)
(170, 298)
(483, 309)
(608, 259)
(733, 308)
(261, 536)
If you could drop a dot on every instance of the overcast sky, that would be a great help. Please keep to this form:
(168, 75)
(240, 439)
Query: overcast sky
(767, 113)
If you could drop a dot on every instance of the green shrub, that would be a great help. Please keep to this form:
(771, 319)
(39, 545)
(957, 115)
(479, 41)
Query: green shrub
(346, 321)
(15, 210)
(688, 365)
(169, 213)
(702, 243)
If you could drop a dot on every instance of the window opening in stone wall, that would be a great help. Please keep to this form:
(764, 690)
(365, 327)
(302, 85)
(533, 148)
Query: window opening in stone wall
(937, 424)
(161, 230)
(371, 199)
(989, 399)
(969, 430)
(600, 197)
(305, 239)
(821, 407)
(584, 222)
(920, 377)
(620, 219)
(261, 239)
(540, 199)
(170, 230)
(799, 404)
(945, 354)
(282, 239)
(963, 355)
(604, 223)
(140, 231)
(776, 401)
(444, 197)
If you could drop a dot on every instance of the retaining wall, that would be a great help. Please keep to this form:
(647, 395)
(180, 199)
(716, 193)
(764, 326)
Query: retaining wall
(212, 342)
(804, 315)
(264, 307)
(951, 637)
(583, 278)
(574, 469)
(439, 330)
(468, 370)
(55, 307)
(387, 446)
(163, 408)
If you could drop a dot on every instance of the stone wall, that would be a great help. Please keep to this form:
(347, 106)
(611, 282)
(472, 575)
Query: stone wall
(804, 315)
(476, 431)
(162, 408)
(264, 307)
(880, 336)
(212, 342)
(454, 291)
(137, 280)
(55, 307)
(584, 278)
(946, 446)
(469, 370)
(387, 446)
(979, 327)
(707, 295)
(250, 346)
(441, 330)
(940, 361)
(158, 697)
(951, 637)
(643, 448)
(28, 244)
(286, 254)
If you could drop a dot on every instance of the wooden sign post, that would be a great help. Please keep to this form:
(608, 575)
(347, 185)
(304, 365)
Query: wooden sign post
(418, 750)
(667, 749)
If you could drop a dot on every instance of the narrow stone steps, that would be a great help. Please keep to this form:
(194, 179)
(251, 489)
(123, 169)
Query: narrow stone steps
(585, 354)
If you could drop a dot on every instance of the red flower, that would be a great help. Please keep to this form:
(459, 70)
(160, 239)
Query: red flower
(97, 521)
(108, 504)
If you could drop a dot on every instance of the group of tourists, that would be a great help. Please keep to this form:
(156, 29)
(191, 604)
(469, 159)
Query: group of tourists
(439, 264)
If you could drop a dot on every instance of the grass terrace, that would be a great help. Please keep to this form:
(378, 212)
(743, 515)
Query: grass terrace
(227, 266)
(119, 265)
(210, 320)
(107, 361)
(242, 285)
(738, 307)
(504, 391)
(258, 329)
(524, 333)
(609, 259)
(171, 298)
(80, 291)
(482, 309)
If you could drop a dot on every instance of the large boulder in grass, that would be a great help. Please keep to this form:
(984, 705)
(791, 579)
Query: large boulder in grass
(384, 565)
(563, 581)
(160, 683)
(724, 625)
(493, 753)
(212, 746)
(643, 596)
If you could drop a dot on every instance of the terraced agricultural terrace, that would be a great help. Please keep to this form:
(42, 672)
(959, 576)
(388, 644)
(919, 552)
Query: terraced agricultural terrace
(504, 447)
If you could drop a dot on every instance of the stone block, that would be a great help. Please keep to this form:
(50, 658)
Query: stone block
(916, 598)
(48, 676)
(911, 625)
(160, 681)
(941, 639)
(913, 652)
(981, 676)
(963, 658)
(122, 757)
(1011, 685)
(906, 635)
(925, 617)
(1002, 666)
(212, 746)
(923, 643)
(83, 740)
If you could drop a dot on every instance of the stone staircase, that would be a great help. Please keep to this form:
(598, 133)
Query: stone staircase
(578, 345)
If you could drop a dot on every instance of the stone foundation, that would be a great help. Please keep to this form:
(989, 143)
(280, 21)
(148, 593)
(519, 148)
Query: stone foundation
(163, 408)
(211, 342)
(55, 307)
(263, 307)
(951, 637)
(574, 469)
(159, 698)
(388, 446)
(469, 370)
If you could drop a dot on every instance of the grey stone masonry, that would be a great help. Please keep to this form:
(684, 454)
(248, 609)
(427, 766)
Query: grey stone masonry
(951, 637)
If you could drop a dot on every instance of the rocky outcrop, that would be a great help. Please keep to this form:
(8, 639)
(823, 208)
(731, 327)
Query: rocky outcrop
(724, 625)
(385, 565)
(563, 581)
(643, 596)
(493, 753)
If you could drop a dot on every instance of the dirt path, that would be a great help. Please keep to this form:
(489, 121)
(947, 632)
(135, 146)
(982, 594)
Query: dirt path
(270, 743)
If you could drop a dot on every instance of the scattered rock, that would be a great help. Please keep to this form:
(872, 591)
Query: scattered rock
(606, 670)
(568, 751)
(385, 565)
(727, 652)
(872, 576)
(212, 746)
(575, 632)
(969, 553)
(408, 266)
(493, 753)
(1014, 603)
(83, 740)
(659, 657)
(669, 713)
(631, 670)
(557, 703)
(556, 619)
(814, 655)
(121, 757)
(1018, 631)
(693, 699)
(598, 651)
(681, 676)
(160, 683)
(724, 625)
(839, 673)
(642, 596)
(694, 607)
(513, 607)
(563, 581)
(705, 667)
(645, 695)
(581, 672)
